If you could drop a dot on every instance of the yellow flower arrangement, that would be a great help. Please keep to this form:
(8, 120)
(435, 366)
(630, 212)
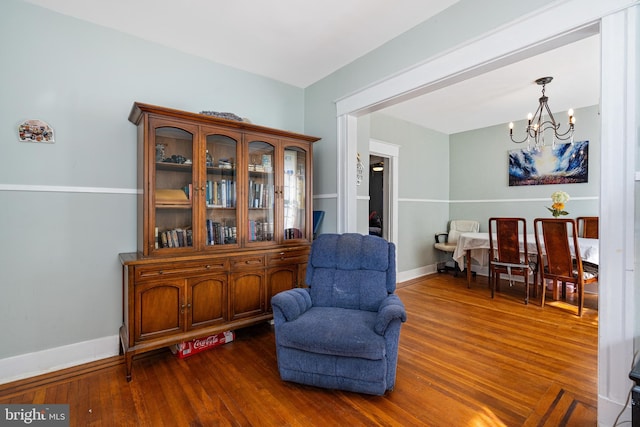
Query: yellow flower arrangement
(559, 198)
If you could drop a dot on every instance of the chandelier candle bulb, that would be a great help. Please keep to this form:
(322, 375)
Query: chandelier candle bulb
(570, 113)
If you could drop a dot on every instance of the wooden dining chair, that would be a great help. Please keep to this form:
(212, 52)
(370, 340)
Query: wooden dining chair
(509, 255)
(554, 237)
(588, 227)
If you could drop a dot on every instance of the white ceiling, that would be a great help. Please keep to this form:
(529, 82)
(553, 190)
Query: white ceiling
(510, 93)
(300, 42)
(294, 41)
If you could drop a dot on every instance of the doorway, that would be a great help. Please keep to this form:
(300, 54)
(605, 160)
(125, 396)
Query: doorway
(383, 188)
(378, 196)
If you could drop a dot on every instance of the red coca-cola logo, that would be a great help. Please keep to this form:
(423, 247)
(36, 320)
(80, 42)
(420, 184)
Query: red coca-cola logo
(209, 341)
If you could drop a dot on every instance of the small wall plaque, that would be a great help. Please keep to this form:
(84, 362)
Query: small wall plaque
(359, 171)
(35, 131)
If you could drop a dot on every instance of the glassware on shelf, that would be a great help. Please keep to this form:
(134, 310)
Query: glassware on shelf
(160, 155)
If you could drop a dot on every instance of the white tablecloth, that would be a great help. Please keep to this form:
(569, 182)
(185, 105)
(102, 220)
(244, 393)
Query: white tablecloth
(478, 245)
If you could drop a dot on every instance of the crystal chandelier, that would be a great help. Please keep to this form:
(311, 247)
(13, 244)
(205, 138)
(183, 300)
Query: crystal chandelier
(537, 125)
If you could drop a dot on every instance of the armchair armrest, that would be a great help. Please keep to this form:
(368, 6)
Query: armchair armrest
(291, 303)
(438, 236)
(390, 309)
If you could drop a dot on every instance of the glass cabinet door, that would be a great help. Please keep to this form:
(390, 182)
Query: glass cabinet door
(293, 193)
(261, 189)
(172, 208)
(220, 190)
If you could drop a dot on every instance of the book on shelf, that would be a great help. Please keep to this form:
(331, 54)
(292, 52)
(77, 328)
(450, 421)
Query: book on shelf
(169, 195)
(220, 234)
(175, 238)
(209, 190)
(221, 194)
(260, 194)
(188, 190)
(260, 230)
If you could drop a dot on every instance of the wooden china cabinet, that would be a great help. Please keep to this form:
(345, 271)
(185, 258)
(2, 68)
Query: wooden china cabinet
(224, 223)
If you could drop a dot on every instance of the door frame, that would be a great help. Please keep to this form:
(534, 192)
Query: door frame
(565, 22)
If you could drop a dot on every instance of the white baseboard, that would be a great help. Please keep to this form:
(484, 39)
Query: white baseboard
(610, 412)
(404, 276)
(41, 362)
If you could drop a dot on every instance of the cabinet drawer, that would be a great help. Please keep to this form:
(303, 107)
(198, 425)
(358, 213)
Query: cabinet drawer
(241, 263)
(182, 268)
(288, 257)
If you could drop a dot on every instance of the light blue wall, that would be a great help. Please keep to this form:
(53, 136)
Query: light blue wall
(448, 29)
(60, 276)
(465, 176)
(423, 187)
(479, 175)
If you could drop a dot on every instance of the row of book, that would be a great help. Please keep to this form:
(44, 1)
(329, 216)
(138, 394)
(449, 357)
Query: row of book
(174, 238)
(260, 194)
(220, 234)
(260, 231)
(217, 234)
(221, 194)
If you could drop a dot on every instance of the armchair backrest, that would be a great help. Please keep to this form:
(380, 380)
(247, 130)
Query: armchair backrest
(351, 271)
(459, 226)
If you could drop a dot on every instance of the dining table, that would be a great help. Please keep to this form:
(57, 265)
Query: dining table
(475, 247)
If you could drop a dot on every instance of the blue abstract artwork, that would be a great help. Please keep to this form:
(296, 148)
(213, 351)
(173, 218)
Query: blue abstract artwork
(564, 164)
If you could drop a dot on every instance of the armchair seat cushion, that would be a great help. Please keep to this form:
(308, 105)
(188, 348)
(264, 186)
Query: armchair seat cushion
(446, 247)
(334, 331)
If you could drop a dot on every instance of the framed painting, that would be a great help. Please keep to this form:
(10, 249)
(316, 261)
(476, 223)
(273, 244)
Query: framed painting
(564, 164)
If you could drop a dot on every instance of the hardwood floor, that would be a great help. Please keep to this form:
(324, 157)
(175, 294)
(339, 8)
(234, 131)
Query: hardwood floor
(464, 360)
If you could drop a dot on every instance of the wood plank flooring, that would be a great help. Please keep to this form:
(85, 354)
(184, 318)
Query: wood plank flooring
(464, 360)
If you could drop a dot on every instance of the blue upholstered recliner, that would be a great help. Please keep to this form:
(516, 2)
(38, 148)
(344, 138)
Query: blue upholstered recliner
(342, 332)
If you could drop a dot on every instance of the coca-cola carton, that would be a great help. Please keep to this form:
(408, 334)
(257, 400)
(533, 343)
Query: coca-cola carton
(189, 348)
